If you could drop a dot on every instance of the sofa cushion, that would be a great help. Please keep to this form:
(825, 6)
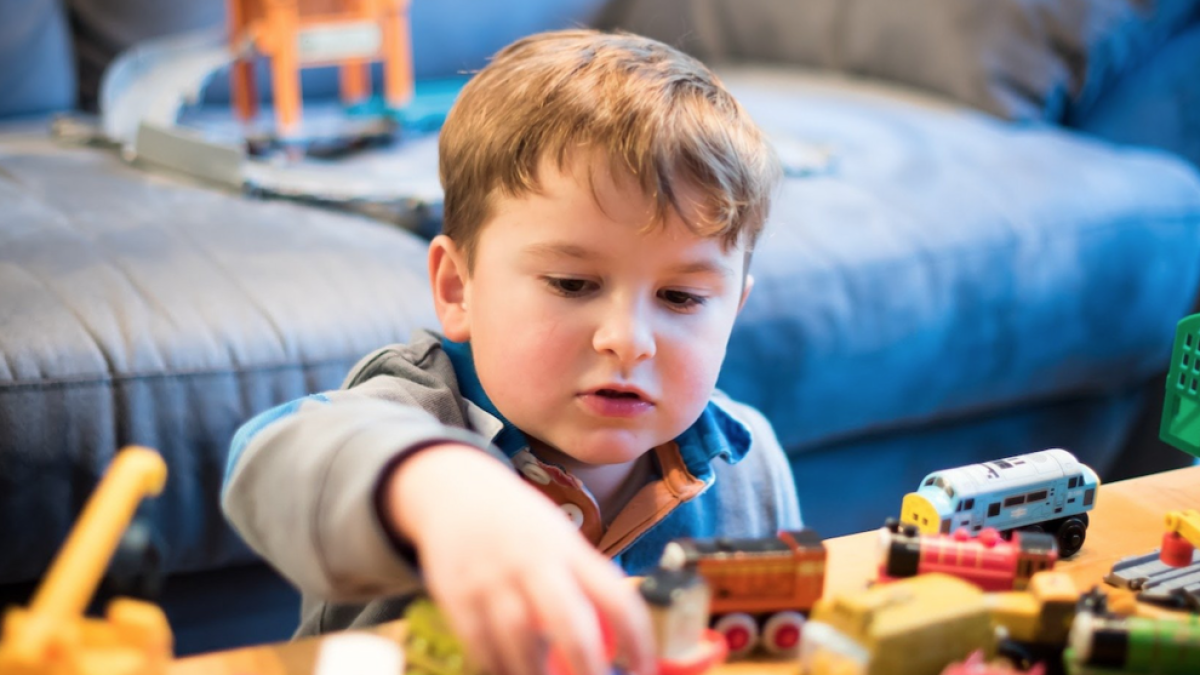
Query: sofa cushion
(945, 263)
(1013, 58)
(37, 68)
(138, 309)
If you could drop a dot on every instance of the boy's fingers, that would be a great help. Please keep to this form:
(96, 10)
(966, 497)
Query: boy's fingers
(469, 626)
(514, 635)
(569, 621)
(622, 607)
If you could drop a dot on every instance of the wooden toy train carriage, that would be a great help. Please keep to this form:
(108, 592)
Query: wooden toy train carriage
(761, 588)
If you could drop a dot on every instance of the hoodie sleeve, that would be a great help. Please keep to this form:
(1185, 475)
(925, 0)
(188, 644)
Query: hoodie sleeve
(301, 482)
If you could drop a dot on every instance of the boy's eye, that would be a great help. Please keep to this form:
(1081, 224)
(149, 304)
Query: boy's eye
(568, 286)
(680, 299)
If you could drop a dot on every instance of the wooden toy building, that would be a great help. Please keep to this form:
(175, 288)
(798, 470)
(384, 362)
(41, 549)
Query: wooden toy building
(296, 34)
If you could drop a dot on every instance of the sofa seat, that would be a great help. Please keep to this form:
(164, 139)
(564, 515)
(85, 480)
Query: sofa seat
(139, 308)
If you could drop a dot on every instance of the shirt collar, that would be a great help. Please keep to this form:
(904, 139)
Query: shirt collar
(510, 439)
(715, 434)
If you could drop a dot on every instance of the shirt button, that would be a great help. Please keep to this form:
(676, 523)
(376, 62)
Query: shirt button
(535, 473)
(574, 513)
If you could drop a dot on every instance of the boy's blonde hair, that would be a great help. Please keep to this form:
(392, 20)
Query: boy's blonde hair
(657, 114)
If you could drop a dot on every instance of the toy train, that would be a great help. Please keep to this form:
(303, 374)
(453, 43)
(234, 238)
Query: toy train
(761, 588)
(922, 624)
(1048, 490)
(914, 626)
(1101, 644)
(986, 560)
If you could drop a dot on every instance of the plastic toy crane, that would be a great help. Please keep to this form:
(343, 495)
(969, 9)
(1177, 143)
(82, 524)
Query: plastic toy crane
(1181, 409)
(52, 636)
(296, 34)
(1181, 538)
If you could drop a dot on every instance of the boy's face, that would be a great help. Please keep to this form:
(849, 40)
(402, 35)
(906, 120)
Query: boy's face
(591, 333)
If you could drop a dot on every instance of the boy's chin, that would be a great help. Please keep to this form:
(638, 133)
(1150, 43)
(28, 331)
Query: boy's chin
(609, 448)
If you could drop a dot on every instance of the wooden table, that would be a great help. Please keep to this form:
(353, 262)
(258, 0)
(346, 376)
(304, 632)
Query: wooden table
(1127, 520)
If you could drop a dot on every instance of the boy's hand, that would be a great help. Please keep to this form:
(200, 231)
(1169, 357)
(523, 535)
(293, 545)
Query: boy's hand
(508, 568)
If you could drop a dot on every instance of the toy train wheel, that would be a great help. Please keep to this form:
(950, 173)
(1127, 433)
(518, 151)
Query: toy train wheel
(781, 633)
(1016, 653)
(1070, 535)
(740, 631)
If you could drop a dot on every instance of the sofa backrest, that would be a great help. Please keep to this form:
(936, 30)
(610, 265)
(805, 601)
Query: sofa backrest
(37, 70)
(1018, 59)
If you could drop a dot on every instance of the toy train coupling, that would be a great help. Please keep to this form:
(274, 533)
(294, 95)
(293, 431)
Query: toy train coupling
(1094, 601)
(52, 636)
(894, 526)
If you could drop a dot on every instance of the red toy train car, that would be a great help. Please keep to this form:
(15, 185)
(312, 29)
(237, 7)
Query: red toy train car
(987, 560)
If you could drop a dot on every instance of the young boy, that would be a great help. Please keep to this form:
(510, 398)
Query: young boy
(602, 197)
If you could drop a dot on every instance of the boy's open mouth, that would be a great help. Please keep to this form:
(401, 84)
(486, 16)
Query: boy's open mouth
(613, 393)
(617, 401)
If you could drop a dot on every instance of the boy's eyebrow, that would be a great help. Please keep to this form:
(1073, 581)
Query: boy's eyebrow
(560, 249)
(704, 267)
(581, 253)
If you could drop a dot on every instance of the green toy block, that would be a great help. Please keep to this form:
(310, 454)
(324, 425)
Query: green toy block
(1181, 408)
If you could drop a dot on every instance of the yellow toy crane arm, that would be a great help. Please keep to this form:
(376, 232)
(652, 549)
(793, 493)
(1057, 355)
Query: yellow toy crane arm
(77, 570)
(136, 473)
(1186, 524)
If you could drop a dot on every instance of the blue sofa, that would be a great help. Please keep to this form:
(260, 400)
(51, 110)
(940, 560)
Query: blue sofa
(964, 263)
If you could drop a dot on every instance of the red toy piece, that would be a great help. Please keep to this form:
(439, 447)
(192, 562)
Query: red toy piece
(986, 560)
(1181, 538)
(975, 665)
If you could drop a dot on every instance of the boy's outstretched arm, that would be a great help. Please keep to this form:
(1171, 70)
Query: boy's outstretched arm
(315, 488)
(301, 483)
(508, 568)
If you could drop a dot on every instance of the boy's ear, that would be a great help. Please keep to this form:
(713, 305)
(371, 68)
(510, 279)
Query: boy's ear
(448, 277)
(749, 284)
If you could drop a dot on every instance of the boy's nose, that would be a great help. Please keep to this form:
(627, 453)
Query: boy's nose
(625, 333)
